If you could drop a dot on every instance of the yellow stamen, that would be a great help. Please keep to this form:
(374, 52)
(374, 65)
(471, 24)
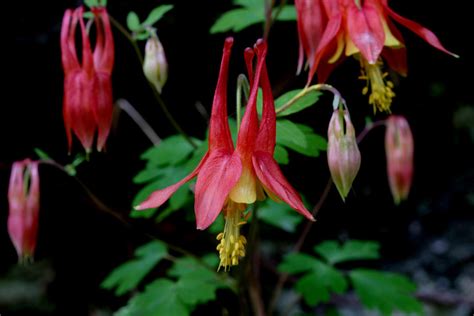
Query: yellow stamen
(231, 247)
(381, 93)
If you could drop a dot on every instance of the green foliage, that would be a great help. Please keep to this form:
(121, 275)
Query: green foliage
(334, 253)
(133, 22)
(302, 103)
(300, 138)
(386, 292)
(142, 30)
(167, 164)
(156, 14)
(190, 283)
(319, 279)
(95, 3)
(128, 275)
(279, 215)
(250, 12)
(281, 155)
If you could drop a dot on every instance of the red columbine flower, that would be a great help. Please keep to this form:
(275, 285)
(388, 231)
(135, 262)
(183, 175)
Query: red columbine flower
(228, 179)
(23, 199)
(362, 28)
(399, 151)
(87, 85)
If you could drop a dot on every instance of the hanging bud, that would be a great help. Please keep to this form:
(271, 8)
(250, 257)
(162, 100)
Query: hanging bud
(399, 151)
(155, 66)
(343, 153)
(23, 199)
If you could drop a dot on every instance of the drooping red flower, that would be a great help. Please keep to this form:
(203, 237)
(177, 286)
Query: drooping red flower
(87, 103)
(399, 148)
(362, 28)
(23, 200)
(228, 179)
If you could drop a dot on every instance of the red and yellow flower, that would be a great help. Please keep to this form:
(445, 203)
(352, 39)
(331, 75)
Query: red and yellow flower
(228, 178)
(364, 29)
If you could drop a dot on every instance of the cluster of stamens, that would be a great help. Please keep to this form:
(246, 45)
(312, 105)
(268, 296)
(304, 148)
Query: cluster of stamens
(231, 246)
(381, 89)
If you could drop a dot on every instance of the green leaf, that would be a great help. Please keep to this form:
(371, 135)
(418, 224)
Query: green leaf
(172, 150)
(196, 282)
(281, 155)
(288, 134)
(217, 226)
(319, 281)
(312, 144)
(288, 13)
(42, 154)
(160, 298)
(238, 19)
(128, 275)
(279, 215)
(91, 3)
(334, 253)
(157, 13)
(302, 103)
(133, 22)
(386, 292)
(296, 263)
(249, 13)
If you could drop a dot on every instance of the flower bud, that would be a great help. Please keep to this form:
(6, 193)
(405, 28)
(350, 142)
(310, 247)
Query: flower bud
(399, 151)
(23, 199)
(343, 153)
(155, 66)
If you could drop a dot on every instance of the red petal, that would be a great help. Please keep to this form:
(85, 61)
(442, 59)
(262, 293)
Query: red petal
(311, 22)
(217, 177)
(80, 102)
(366, 30)
(104, 110)
(219, 133)
(396, 59)
(272, 178)
(249, 126)
(157, 198)
(104, 48)
(419, 30)
(330, 33)
(267, 131)
(68, 47)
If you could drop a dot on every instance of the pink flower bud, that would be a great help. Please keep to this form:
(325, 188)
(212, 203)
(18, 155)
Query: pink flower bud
(23, 199)
(399, 150)
(155, 66)
(343, 152)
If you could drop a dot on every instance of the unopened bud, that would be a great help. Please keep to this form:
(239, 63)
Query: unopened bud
(343, 152)
(23, 199)
(155, 66)
(399, 151)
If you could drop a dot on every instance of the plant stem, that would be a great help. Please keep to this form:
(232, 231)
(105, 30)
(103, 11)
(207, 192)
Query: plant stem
(317, 87)
(156, 94)
(124, 105)
(284, 277)
(242, 87)
(252, 271)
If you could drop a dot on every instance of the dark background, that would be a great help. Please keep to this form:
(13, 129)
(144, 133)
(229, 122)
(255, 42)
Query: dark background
(430, 237)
